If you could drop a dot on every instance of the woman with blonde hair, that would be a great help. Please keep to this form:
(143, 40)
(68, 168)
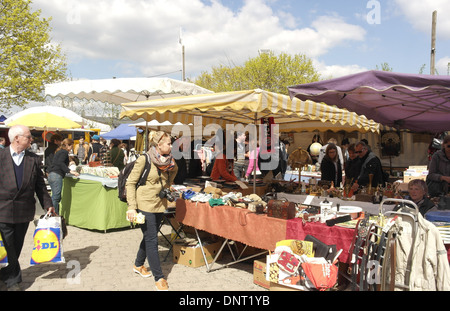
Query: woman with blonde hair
(151, 201)
(58, 169)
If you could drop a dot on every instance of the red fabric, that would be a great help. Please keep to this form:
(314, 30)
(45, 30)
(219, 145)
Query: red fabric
(233, 223)
(334, 235)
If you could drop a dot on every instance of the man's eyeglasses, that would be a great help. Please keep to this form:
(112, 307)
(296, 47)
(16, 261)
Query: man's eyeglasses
(358, 152)
(447, 146)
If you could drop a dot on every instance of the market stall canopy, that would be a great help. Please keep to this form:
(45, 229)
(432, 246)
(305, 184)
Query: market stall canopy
(245, 107)
(165, 126)
(44, 120)
(59, 111)
(415, 102)
(123, 90)
(122, 132)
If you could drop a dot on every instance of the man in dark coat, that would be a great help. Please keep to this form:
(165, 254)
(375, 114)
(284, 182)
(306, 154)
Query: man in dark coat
(20, 179)
(370, 164)
(352, 165)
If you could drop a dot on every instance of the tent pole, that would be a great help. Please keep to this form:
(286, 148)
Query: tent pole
(146, 137)
(433, 43)
(254, 160)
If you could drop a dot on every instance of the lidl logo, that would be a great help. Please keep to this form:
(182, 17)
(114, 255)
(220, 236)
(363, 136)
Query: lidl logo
(2, 252)
(46, 246)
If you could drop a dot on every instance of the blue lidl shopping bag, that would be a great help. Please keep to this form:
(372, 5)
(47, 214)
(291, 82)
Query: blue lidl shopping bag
(3, 255)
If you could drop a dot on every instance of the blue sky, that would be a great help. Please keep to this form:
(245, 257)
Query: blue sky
(139, 38)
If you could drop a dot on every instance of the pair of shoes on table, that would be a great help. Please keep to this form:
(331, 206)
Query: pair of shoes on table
(162, 285)
(188, 194)
(201, 197)
(142, 271)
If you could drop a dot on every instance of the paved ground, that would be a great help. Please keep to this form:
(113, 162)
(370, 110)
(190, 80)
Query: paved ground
(98, 261)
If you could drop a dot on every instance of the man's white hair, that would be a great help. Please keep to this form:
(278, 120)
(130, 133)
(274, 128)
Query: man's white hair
(14, 131)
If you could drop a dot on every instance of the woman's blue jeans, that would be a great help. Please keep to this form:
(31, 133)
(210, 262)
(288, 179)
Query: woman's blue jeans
(148, 249)
(56, 183)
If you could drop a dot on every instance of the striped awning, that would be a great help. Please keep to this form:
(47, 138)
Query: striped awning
(248, 107)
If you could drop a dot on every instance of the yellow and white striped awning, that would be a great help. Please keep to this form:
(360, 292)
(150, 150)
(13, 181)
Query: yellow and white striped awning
(247, 107)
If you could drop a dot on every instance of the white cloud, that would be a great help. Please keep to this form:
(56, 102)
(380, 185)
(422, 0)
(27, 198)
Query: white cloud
(335, 71)
(142, 36)
(419, 14)
(443, 66)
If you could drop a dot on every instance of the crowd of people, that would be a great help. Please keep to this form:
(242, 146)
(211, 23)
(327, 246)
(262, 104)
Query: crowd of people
(238, 158)
(21, 179)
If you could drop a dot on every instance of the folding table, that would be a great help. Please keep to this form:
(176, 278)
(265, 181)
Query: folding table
(170, 213)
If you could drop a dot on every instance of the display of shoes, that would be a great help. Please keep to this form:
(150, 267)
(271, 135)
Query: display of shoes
(188, 194)
(201, 197)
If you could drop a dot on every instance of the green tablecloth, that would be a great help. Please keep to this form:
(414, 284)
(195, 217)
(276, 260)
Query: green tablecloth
(87, 203)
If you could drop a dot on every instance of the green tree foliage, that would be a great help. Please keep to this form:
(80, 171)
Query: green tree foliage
(267, 71)
(28, 59)
(384, 67)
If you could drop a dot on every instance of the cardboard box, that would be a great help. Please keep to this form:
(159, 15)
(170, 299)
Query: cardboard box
(191, 255)
(280, 287)
(259, 274)
(277, 277)
(415, 172)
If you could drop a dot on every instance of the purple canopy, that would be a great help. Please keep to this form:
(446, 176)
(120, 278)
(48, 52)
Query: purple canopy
(405, 101)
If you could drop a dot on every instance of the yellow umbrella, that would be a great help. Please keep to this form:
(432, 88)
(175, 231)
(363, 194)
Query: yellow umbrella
(44, 120)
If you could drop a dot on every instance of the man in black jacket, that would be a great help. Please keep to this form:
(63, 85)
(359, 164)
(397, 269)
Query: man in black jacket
(370, 164)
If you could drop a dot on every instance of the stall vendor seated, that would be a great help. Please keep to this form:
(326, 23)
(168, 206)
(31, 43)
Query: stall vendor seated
(418, 193)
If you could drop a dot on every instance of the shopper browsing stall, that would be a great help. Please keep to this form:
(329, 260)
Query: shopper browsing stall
(339, 153)
(438, 178)
(94, 149)
(58, 169)
(53, 145)
(352, 165)
(253, 159)
(241, 162)
(116, 154)
(371, 165)
(330, 166)
(81, 150)
(151, 200)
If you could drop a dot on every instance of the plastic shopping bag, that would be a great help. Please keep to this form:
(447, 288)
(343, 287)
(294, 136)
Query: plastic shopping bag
(3, 255)
(47, 238)
(322, 275)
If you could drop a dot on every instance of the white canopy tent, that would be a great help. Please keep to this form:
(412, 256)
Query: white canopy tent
(123, 90)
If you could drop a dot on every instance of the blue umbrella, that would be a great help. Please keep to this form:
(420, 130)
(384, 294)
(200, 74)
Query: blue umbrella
(122, 132)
